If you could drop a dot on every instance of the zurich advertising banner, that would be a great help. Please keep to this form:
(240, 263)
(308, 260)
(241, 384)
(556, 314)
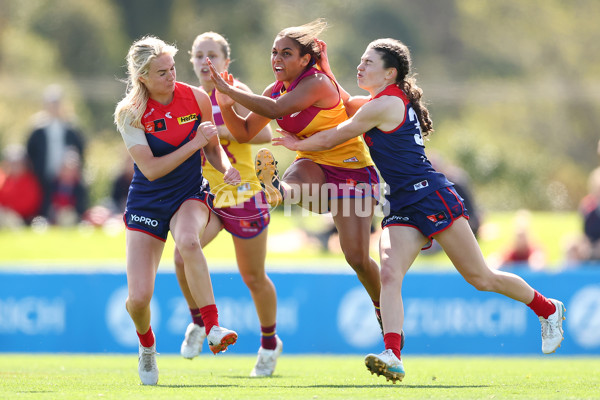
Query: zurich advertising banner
(317, 313)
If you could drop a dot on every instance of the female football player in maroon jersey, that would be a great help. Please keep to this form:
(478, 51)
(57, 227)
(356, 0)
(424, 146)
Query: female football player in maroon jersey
(165, 124)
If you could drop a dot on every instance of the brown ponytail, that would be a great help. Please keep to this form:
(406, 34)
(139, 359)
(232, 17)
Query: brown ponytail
(395, 54)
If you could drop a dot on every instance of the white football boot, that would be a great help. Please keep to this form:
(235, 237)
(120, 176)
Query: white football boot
(386, 364)
(147, 368)
(192, 344)
(267, 360)
(219, 338)
(552, 331)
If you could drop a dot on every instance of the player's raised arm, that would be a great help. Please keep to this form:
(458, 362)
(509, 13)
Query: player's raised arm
(243, 129)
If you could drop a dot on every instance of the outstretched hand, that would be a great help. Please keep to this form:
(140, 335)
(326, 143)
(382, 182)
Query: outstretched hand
(288, 140)
(223, 82)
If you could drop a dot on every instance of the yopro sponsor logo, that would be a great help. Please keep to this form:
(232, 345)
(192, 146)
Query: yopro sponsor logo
(397, 218)
(140, 219)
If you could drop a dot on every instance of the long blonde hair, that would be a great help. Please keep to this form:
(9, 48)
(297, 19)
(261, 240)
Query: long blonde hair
(131, 108)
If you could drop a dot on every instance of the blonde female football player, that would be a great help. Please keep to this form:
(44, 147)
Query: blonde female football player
(165, 124)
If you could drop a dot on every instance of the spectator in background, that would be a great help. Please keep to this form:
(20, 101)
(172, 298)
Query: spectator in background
(68, 194)
(523, 250)
(120, 186)
(462, 183)
(48, 143)
(20, 191)
(110, 212)
(585, 247)
(590, 211)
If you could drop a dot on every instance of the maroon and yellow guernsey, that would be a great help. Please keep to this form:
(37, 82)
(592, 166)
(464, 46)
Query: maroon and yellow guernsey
(350, 154)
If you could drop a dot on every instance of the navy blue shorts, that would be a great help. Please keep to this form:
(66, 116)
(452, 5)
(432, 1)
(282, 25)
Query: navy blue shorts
(155, 217)
(430, 215)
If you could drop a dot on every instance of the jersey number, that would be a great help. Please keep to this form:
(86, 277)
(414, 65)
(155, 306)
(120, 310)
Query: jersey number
(412, 116)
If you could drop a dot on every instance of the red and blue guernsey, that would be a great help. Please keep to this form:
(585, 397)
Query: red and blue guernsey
(399, 155)
(167, 128)
(151, 204)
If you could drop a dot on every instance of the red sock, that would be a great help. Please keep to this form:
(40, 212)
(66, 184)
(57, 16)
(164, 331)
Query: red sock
(541, 306)
(267, 338)
(210, 316)
(196, 316)
(392, 341)
(146, 339)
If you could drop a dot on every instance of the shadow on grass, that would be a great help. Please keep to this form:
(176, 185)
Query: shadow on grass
(273, 383)
(197, 386)
(385, 386)
(287, 386)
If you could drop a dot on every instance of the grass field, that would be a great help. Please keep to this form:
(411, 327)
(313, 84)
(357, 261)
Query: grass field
(297, 377)
(288, 244)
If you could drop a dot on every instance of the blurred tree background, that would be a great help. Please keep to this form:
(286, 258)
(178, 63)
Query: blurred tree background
(513, 86)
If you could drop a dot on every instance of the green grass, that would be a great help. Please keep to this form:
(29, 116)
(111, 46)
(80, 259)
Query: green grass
(298, 377)
(100, 248)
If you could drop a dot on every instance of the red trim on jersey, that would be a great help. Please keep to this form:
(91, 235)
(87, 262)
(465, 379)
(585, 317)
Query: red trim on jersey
(395, 91)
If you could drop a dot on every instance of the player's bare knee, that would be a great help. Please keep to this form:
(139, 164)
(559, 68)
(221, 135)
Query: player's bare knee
(390, 276)
(188, 244)
(138, 301)
(254, 281)
(358, 260)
